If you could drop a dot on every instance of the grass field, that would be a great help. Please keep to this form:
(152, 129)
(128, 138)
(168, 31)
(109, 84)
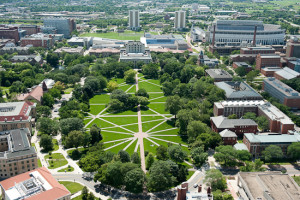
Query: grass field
(73, 187)
(67, 169)
(127, 35)
(58, 160)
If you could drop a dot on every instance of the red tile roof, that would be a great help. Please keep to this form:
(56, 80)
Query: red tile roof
(36, 93)
(58, 190)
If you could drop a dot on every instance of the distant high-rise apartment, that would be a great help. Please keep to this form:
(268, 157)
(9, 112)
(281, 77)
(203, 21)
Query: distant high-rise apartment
(62, 25)
(134, 20)
(180, 18)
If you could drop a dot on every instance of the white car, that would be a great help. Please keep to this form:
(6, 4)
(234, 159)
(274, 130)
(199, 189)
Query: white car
(195, 185)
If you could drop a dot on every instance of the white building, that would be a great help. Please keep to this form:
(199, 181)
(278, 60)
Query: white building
(197, 34)
(180, 19)
(238, 31)
(135, 52)
(134, 20)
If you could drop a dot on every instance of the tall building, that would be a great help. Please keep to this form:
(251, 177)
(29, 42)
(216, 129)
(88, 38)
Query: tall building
(135, 52)
(37, 184)
(180, 18)
(9, 33)
(62, 25)
(238, 31)
(293, 48)
(134, 20)
(284, 93)
(16, 154)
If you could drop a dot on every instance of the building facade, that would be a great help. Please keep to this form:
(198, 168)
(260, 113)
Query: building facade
(134, 20)
(284, 93)
(267, 60)
(244, 65)
(293, 48)
(135, 52)
(30, 29)
(9, 33)
(16, 154)
(62, 25)
(16, 115)
(286, 74)
(180, 20)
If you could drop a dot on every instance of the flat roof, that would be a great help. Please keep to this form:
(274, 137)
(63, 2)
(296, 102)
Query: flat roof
(273, 138)
(224, 122)
(274, 113)
(218, 73)
(276, 185)
(282, 87)
(13, 111)
(287, 73)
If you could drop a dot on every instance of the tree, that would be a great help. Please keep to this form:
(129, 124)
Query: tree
(216, 179)
(143, 101)
(293, 151)
(47, 100)
(70, 124)
(84, 193)
(149, 160)
(176, 153)
(233, 116)
(199, 156)
(160, 177)
(74, 139)
(91, 196)
(52, 59)
(244, 155)
(151, 70)
(241, 71)
(55, 93)
(251, 75)
(95, 132)
(134, 180)
(196, 128)
(130, 76)
(115, 105)
(262, 122)
(142, 92)
(43, 111)
(226, 155)
(250, 115)
(135, 158)
(272, 153)
(173, 104)
(124, 156)
(46, 142)
(47, 126)
(161, 153)
(112, 85)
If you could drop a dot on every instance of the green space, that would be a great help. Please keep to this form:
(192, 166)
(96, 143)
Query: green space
(55, 144)
(67, 169)
(117, 129)
(56, 160)
(119, 147)
(176, 139)
(100, 123)
(121, 120)
(126, 112)
(96, 109)
(81, 151)
(149, 87)
(166, 125)
(149, 146)
(108, 136)
(127, 35)
(87, 120)
(149, 125)
(190, 175)
(131, 148)
(164, 132)
(124, 87)
(146, 119)
(133, 127)
(39, 163)
(297, 179)
(97, 99)
(158, 107)
(73, 187)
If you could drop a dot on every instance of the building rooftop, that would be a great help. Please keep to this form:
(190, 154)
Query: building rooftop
(223, 122)
(271, 69)
(238, 90)
(274, 113)
(227, 133)
(274, 185)
(15, 111)
(282, 87)
(287, 73)
(34, 185)
(273, 138)
(242, 64)
(240, 146)
(18, 143)
(223, 104)
(274, 56)
(26, 58)
(70, 50)
(218, 73)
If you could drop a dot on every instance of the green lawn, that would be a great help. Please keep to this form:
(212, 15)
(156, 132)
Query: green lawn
(149, 125)
(100, 123)
(149, 146)
(73, 187)
(297, 179)
(82, 151)
(117, 129)
(55, 142)
(164, 132)
(158, 107)
(122, 120)
(58, 160)
(176, 139)
(87, 120)
(39, 163)
(190, 175)
(132, 90)
(133, 127)
(103, 98)
(127, 35)
(96, 109)
(127, 112)
(119, 147)
(131, 148)
(149, 87)
(163, 126)
(108, 136)
(67, 169)
(145, 119)
(125, 87)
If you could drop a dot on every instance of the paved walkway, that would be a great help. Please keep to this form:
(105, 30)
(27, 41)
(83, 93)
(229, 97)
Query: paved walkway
(140, 135)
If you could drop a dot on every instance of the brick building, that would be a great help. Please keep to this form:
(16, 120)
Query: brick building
(286, 74)
(30, 29)
(284, 93)
(228, 137)
(243, 58)
(293, 48)
(256, 144)
(15, 115)
(9, 33)
(45, 41)
(246, 66)
(16, 154)
(269, 71)
(218, 75)
(267, 60)
(278, 121)
(37, 184)
(257, 50)
(238, 126)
